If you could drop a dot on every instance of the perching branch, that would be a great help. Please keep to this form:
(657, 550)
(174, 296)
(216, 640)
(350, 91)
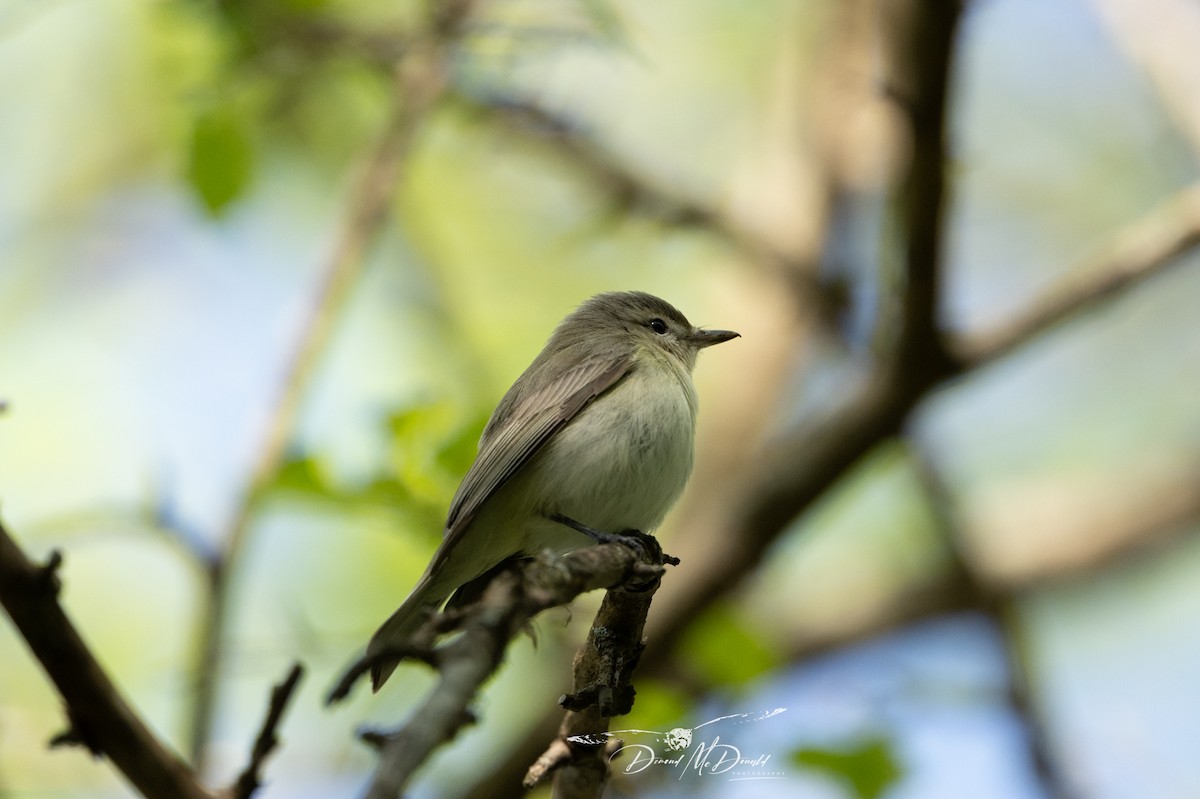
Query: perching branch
(602, 689)
(484, 629)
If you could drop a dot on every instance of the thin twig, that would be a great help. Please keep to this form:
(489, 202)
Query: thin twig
(250, 779)
(364, 664)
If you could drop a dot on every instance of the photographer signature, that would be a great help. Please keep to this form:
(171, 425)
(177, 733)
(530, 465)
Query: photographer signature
(679, 750)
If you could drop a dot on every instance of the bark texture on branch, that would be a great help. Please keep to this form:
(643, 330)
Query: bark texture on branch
(483, 631)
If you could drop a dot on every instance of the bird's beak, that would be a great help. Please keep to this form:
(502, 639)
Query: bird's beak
(706, 338)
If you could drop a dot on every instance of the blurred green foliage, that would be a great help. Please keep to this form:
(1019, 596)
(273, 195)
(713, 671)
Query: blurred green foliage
(658, 705)
(868, 768)
(256, 80)
(723, 650)
(430, 445)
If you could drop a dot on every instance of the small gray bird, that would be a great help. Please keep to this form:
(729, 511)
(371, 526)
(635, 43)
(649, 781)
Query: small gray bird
(597, 433)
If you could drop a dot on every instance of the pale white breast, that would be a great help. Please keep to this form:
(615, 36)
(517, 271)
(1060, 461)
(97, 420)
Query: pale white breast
(624, 461)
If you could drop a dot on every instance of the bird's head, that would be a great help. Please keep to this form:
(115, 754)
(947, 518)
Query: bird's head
(642, 320)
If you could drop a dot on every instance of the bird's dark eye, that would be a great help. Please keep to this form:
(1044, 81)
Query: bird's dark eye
(658, 326)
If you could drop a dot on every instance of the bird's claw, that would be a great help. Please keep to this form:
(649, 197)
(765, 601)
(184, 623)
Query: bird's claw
(646, 545)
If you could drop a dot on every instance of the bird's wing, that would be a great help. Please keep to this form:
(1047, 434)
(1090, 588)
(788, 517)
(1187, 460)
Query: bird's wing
(523, 422)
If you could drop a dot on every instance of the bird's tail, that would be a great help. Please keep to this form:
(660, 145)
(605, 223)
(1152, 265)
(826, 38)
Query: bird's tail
(398, 630)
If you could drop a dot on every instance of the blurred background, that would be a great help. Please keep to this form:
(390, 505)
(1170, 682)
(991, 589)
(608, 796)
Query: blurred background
(266, 268)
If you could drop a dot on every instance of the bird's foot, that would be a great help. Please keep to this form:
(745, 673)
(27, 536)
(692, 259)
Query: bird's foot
(646, 545)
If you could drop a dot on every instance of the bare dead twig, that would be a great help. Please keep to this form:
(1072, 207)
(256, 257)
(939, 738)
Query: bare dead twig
(250, 779)
(99, 717)
(557, 754)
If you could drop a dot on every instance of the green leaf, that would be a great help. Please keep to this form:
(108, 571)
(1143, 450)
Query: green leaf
(869, 769)
(432, 444)
(301, 474)
(304, 478)
(220, 158)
